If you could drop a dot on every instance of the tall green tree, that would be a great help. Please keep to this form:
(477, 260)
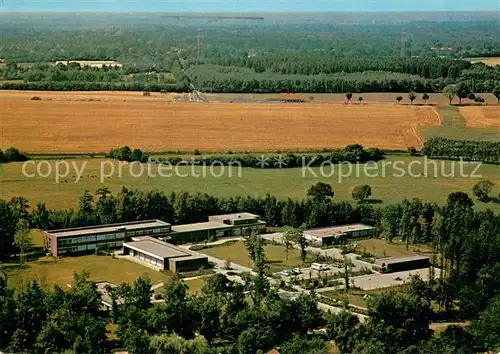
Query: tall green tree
(482, 190)
(462, 91)
(361, 193)
(412, 96)
(320, 191)
(23, 239)
(450, 92)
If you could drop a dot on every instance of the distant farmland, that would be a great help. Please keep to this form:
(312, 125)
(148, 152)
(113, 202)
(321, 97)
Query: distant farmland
(491, 61)
(481, 117)
(339, 98)
(68, 126)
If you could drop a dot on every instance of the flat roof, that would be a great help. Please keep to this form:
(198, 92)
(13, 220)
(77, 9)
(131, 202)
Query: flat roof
(200, 226)
(88, 230)
(235, 216)
(156, 248)
(337, 230)
(395, 260)
(189, 258)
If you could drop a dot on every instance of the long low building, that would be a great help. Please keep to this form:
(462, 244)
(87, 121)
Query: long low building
(339, 234)
(237, 224)
(111, 236)
(163, 255)
(92, 238)
(399, 264)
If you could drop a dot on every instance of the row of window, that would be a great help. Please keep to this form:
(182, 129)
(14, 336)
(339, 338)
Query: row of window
(110, 236)
(91, 238)
(146, 258)
(89, 247)
(361, 233)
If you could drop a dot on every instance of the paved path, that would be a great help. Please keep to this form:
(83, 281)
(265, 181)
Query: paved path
(157, 286)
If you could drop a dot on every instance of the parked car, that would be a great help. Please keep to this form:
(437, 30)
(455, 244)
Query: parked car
(297, 270)
(287, 272)
(316, 266)
(325, 267)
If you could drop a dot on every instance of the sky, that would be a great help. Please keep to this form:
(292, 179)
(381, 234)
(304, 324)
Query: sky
(248, 5)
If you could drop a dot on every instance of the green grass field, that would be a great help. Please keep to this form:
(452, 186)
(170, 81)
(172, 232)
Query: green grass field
(453, 127)
(237, 253)
(50, 271)
(381, 248)
(386, 184)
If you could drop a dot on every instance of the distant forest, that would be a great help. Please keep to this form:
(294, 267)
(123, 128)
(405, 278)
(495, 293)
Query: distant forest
(272, 55)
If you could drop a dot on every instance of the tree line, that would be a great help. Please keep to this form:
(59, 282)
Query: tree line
(73, 76)
(468, 150)
(350, 153)
(429, 67)
(212, 78)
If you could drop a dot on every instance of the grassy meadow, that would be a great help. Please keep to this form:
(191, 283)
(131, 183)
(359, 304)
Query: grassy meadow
(387, 185)
(382, 248)
(59, 271)
(237, 253)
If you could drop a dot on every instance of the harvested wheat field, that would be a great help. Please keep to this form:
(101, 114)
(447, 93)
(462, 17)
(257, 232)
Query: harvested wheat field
(369, 98)
(481, 117)
(76, 126)
(106, 96)
(491, 61)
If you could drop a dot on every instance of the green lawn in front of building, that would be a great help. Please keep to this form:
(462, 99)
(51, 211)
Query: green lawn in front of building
(51, 271)
(381, 248)
(237, 253)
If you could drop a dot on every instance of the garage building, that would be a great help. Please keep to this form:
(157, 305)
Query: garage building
(399, 264)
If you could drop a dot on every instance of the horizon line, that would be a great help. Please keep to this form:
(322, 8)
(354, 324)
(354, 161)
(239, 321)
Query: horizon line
(243, 12)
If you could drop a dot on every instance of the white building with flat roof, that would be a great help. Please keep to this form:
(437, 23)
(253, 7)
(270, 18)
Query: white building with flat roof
(339, 234)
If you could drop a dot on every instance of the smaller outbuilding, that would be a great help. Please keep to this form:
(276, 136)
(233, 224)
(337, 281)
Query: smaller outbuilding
(164, 256)
(399, 264)
(339, 234)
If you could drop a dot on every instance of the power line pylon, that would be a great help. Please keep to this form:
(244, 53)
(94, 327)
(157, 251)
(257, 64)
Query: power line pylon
(200, 37)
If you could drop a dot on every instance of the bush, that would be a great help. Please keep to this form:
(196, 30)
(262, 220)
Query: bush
(36, 98)
(11, 155)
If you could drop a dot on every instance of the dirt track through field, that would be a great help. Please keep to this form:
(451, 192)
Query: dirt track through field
(76, 126)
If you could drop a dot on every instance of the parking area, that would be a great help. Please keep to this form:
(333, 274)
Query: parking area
(309, 273)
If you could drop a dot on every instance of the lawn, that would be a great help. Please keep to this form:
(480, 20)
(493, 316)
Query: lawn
(50, 271)
(283, 183)
(237, 253)
(382, 248)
